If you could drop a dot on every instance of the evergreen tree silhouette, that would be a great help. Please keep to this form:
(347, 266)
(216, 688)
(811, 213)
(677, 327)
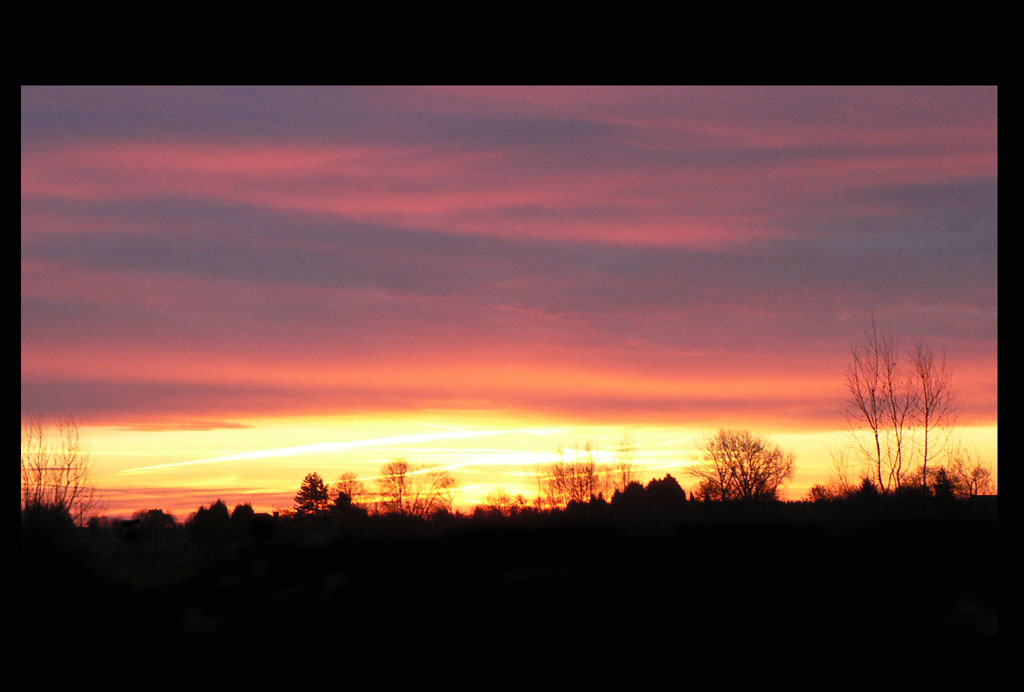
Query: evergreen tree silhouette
(312, 497)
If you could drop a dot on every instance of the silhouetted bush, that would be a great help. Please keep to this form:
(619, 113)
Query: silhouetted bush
(665, 493)
(210, 525)
(155, 523)
(820, 493)
(943, 486)
(867, 491)
(44, 525)
(630, 497)
(242, 514)
(662, 502)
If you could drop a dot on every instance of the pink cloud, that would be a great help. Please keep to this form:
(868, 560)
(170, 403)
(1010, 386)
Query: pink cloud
(658, 197)
(592, 248)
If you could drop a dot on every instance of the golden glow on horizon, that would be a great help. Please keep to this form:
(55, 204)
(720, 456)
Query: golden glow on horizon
(179, 470)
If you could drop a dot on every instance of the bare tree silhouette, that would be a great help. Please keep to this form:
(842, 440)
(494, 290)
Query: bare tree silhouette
(908, 408)
(415, 490)
(502, 502)
(739, 465)
(349, 484)
(935, 405)
(56, 473)
(840, 480)
(562, 482)
(971, 476)
(881, 398)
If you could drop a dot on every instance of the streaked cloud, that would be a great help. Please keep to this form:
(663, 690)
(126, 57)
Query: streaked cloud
(322, 447)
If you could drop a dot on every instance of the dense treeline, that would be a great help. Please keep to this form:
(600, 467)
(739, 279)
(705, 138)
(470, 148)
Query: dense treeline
(707, 565)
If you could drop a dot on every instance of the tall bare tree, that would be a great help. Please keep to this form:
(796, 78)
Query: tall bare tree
(864, 402)
(907, 408)
(56, 472)
(935, 405)
(881, 398)
(739, 465)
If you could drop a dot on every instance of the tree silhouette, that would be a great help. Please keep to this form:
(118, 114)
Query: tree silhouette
(42, 524)
(155, 522)
(313, 497)
(867, 490)
(242, 513)
(348, 484)
(819, 493)
(665, 492)
(881, 398)
(906, 407)
(241, 520)
(501, 502)
(738, 465)
(210, 525)
(562, 482)
(970, 475)
(418, 491)
(342, 507)
(942, 484)
(56, 474)
(341, 503)
(630, 497)
(935, 404)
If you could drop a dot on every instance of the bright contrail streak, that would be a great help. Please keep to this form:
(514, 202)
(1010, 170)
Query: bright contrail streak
(329, 447)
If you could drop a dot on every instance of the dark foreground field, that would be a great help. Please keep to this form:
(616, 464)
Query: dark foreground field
(817, 569)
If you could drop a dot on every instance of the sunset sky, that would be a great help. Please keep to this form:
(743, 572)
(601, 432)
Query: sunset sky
(232, 287)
